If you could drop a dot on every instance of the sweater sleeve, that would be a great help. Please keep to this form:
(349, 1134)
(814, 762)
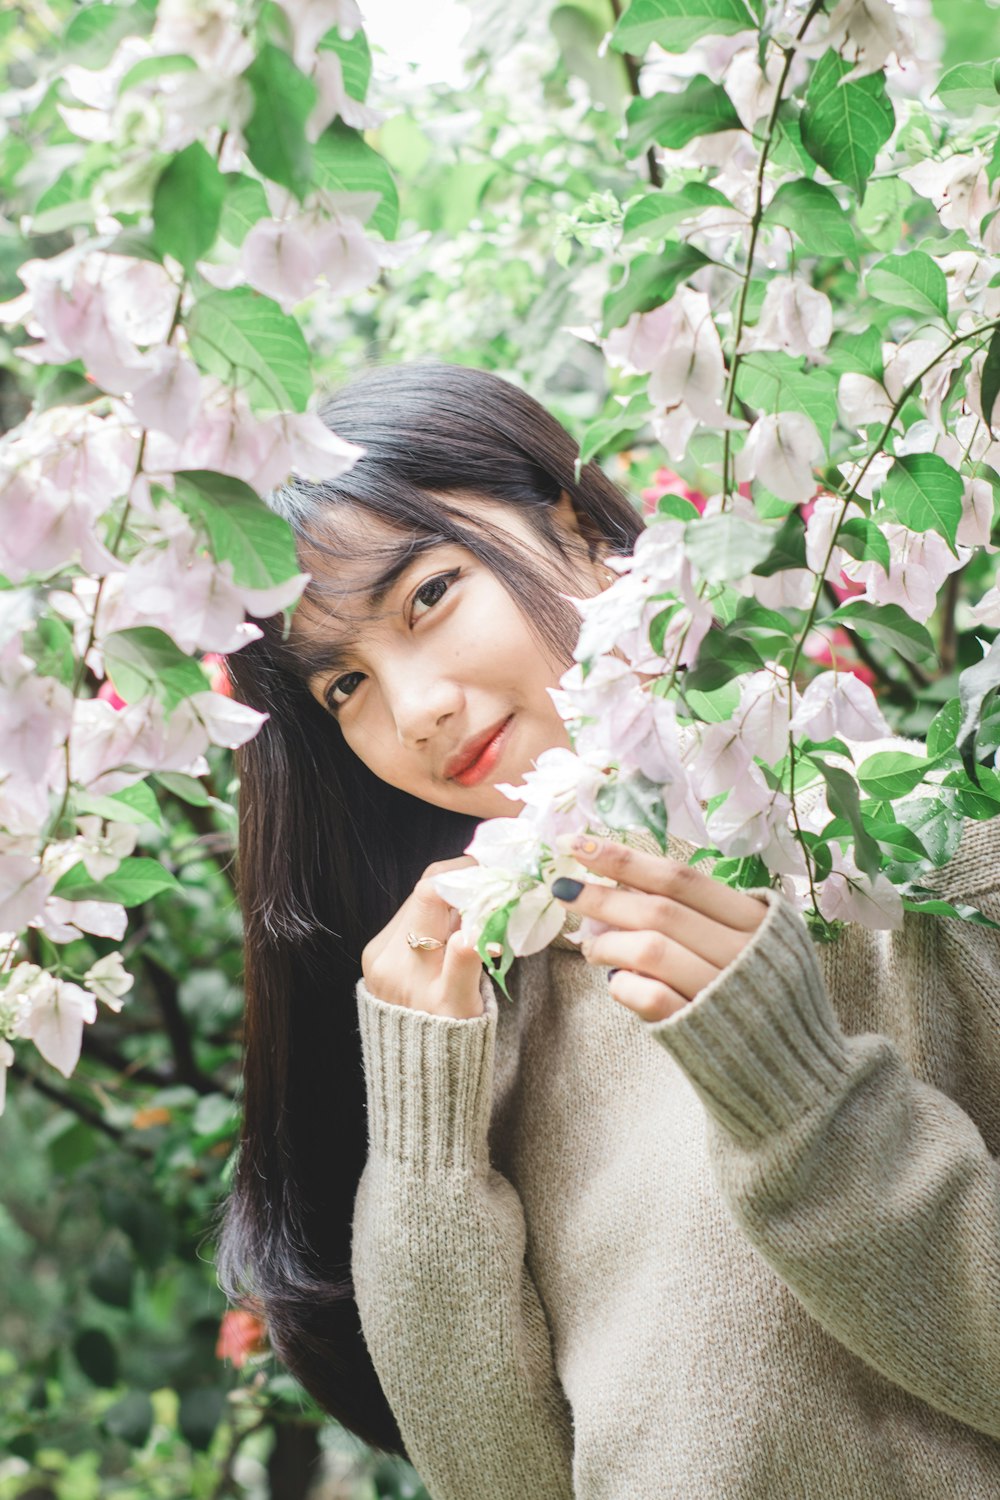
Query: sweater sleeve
(870, 1193)
(449, 1311)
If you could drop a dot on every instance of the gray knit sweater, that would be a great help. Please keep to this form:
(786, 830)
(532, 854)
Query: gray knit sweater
(748, 1253)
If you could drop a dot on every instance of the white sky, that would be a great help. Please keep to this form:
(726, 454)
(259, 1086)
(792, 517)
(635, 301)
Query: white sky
(426, 33)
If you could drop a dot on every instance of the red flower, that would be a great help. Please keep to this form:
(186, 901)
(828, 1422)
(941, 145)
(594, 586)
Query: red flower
(241, 1334)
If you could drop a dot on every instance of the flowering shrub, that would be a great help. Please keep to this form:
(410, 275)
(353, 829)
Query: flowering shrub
(202, 171)
(806, 307)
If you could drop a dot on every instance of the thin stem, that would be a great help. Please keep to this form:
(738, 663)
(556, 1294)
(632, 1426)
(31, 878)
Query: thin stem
(632, 69)
(756, 219)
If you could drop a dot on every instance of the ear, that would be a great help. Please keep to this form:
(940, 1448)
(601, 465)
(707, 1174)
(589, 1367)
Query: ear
(565, 516)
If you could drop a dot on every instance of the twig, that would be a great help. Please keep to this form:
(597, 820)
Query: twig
(632, 69)
(77, 1107)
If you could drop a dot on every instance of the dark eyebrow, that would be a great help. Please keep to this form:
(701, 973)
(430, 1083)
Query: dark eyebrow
(327, 656)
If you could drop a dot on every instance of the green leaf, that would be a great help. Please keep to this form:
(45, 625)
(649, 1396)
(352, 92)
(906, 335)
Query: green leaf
(844, 125)
(723, 655)
(187, 204)
(937, 822)
(892, 773)
(187, 788)
(813, 213)
(675, 24)
(344, 163)
(672, 120)
(239, 334)
(990, 388)
(777, 382)
(135, 880)
(937, 906)
(975, 684)
(275, 134)
(863, 539)
(677, 508)
(942, 731)
(860, 352)
(925, 493)
(727, 545)
(624, 423)
(655, 214)
(912, 280)
(888, 623)
(968, 85)
(143, 661)
(130, 1419)
(97, 1356)
(243, 205)
(355, 60)
(199, 1414)
(111, 1278)
(242, 530)
(155, 67)
(843, 801)
(788, 548)
(881, 217)
(713, 707)
(135, 804)
(979, 799)
(650, 280)
(494, 932)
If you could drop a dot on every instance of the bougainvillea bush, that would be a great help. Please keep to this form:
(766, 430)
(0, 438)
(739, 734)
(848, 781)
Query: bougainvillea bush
(748, 252)
(806, 304)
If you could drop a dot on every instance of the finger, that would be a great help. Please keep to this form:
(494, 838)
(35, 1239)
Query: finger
(425, 912)
(661, 876)
(649, 998)
(618, 907)
(655, 956)
(460, 979)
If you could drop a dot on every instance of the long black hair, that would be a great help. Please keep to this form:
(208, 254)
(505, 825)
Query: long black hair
(328, 852)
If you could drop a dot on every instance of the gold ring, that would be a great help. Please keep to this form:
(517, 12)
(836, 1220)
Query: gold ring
(425, 944)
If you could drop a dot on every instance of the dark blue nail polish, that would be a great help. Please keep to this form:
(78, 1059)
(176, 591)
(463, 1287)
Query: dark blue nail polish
(565, 889)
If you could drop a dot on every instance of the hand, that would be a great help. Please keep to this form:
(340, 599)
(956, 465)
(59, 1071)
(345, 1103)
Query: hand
(442, 981)
(674, 927)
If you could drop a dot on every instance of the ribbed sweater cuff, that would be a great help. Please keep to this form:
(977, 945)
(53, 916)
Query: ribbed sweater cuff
(761, 1043)
(429, 1081)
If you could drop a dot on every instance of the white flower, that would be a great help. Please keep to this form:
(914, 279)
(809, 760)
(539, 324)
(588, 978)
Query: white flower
(102, 851)
(794, 317)
(849, 895)
(109, 981)
(839, 703)
(56, 1019)
(958, 187)
(560, 792)
(862, 400)
(763, 712)
(782, 450)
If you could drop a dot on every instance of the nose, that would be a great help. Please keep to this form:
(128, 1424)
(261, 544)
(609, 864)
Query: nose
(421, 704)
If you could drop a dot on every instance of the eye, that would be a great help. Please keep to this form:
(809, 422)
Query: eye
(432, 592)
(344, 685)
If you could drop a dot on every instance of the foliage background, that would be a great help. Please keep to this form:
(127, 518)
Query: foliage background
(111, 1382)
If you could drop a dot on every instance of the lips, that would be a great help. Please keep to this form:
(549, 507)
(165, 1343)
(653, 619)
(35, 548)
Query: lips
(478, 756)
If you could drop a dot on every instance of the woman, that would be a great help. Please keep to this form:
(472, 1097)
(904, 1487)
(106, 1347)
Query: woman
(706, 1211)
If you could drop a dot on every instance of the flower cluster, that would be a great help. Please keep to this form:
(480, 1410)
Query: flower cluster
(133, 539)
(827, 373)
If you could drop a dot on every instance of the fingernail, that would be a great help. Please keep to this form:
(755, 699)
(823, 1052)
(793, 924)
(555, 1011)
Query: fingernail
(565, 889)
(585, 845)
(612, 973)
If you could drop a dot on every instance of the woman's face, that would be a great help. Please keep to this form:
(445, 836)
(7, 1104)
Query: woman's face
(440, 687)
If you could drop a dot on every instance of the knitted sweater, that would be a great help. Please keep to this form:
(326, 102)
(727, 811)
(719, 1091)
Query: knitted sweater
(751, 1252)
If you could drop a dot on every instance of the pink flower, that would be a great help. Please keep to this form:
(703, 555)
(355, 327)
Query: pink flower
(217, 675)
(107, 694)
(666, 482)
(835, 651)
